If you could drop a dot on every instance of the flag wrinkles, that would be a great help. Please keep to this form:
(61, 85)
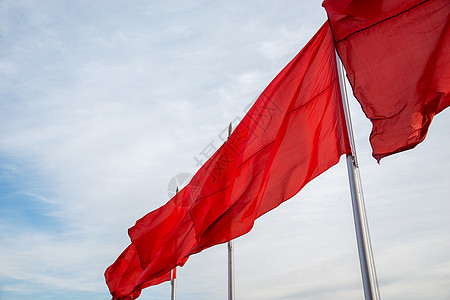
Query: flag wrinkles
(396, 55)
(396, 58)
(294, 132)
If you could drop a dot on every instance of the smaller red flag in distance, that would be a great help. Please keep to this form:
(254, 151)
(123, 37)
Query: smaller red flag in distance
(122, 274)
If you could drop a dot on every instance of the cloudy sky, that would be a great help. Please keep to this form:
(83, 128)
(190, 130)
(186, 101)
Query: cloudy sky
(103, 102)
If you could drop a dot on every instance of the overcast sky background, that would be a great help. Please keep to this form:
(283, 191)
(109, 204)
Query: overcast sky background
(103, 102)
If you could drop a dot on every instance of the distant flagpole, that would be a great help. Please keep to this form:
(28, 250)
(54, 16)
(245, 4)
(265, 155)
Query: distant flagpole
(230, 253)
(366, 261)
(173, 275)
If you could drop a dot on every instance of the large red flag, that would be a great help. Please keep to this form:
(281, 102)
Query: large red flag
(293, 132)
(396, 54)
(122, 274)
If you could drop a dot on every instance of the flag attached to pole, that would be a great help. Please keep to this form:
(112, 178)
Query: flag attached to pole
(396, 54)
(294, 132)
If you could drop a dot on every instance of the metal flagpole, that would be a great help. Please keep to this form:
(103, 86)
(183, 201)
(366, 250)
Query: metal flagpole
(366, 261)
(173, 275)
(230, 270)
(230, 254)
(173, 282)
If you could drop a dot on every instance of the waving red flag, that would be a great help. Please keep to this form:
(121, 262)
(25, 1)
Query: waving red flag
(294, 131)
(122, 274)
(164, 236)
(396, 54)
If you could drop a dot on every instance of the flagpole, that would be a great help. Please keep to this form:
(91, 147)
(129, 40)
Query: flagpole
(230, 254)
(173, 283)
(173, 275)
(366, 261)
(231, 270)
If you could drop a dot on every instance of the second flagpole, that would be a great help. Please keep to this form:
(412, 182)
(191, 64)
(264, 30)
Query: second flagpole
(230, 253)
(367, 264)
(173, 273)
(230, 270)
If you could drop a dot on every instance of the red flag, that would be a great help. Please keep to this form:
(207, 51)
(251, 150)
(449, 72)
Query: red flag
(294, 131)
(164, 236)
(396, 54)
(153, 230)
(122, 274)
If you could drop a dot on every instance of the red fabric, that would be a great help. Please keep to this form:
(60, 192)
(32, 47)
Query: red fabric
(153, 230)
(294, 131)
(122, 274)
(396, 54)
(164, 236)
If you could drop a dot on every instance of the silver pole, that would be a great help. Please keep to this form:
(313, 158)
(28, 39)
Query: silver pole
(366, 261)
(230, 254)
(173, 274)
(173, 283)
(230, 270)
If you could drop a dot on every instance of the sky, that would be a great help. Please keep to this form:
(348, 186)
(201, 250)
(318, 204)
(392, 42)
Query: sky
(104, 104)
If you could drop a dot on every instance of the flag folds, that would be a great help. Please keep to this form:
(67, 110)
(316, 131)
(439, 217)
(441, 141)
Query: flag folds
(396, 54)
(121, 276)
(294, 131)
